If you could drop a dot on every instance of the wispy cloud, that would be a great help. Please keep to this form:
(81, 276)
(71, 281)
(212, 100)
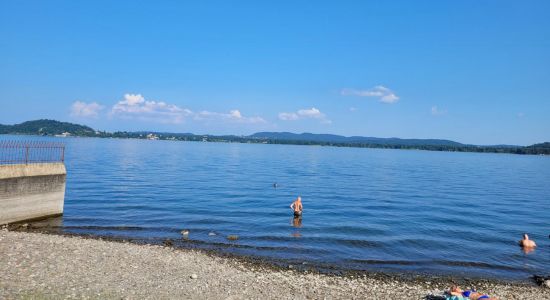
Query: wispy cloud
(86, 110)
(383, 93)
(310, 113)
(135, 106)
(233, 116)
(436, 111)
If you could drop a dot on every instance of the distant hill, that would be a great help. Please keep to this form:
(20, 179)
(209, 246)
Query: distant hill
(46, 127)
(331, 138)
(52, 127)
(541, 146)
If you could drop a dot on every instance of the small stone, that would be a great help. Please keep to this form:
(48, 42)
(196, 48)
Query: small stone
(184, 232)
(194, 276)
(168, 243)
(547, 283)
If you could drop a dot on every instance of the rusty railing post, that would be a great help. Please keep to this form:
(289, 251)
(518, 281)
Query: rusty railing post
(26, 154)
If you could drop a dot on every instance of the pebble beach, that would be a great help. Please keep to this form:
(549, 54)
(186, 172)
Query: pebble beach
(47, 266)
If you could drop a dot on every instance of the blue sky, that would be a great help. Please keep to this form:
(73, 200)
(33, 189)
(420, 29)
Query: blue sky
(472, 71)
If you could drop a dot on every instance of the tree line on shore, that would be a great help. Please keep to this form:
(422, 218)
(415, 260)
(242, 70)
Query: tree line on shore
(52, 128)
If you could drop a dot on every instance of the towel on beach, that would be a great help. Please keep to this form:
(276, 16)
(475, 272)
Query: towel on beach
(456, 298)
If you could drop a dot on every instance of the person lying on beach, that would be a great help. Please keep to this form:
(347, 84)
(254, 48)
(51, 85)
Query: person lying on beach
(526, 242)
(459, 294)
(296, 206)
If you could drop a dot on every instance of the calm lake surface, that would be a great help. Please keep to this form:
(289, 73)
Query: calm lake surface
(367, 209)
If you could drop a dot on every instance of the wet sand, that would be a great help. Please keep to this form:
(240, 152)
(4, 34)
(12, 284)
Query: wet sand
(47, 266)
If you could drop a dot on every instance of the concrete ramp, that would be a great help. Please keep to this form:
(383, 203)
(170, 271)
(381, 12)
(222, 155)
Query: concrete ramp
(31, 191)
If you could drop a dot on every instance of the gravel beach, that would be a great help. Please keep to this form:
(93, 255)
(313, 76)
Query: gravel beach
(46, 266)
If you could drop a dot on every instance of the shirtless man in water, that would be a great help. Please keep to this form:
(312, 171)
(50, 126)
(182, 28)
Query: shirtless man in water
(526, 242)
(296, 206)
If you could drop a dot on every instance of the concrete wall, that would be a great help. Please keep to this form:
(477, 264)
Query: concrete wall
(31, 191)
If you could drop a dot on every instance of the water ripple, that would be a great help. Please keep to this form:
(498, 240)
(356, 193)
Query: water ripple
(440, 212)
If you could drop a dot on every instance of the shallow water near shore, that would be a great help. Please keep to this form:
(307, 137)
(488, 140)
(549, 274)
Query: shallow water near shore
(445, 213)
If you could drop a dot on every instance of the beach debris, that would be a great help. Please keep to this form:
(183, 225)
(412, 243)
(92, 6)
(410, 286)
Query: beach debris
(168, 242)
(194, 276)
(232, 237)
(543, 281)
(185, 234)
(212, 233)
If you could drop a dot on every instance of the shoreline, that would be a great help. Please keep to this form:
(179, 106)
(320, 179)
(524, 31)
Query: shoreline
(466, 149)
(271, 263)
(41, 265)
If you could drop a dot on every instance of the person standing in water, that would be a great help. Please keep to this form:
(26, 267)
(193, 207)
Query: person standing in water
(527, 243)
(297, 207)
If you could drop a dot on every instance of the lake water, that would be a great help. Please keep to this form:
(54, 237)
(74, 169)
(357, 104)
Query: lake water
(442, 213)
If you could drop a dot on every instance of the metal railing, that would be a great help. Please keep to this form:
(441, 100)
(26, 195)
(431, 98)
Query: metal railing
(29, 152)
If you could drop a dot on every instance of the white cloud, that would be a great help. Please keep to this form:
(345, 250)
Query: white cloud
(233, 116)
(311, 113)
(383, 94)
(435, 111)
(86, 110)
(288, 116)
(135, 106)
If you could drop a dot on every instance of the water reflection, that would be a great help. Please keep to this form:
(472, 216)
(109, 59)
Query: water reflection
(296, 222)
(528, 250)
(49, 223)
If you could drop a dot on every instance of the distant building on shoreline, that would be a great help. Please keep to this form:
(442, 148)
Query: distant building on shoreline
(151, 136)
